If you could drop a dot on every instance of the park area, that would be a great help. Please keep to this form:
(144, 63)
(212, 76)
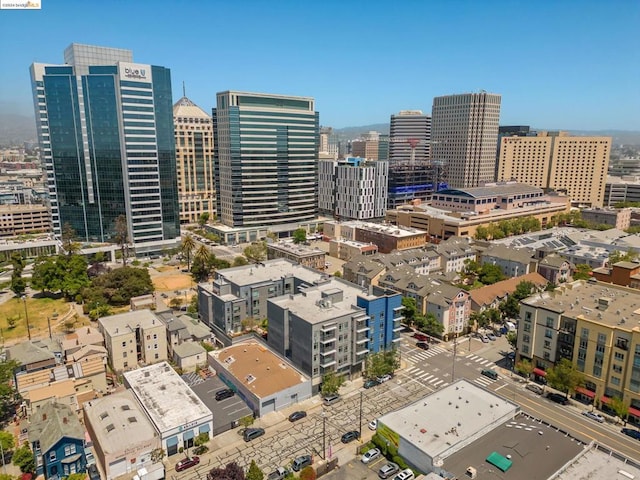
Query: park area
(13, 316)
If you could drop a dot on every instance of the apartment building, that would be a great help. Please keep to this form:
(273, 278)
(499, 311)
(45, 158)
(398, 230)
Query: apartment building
(367, 146)
(619, 218)
(594, 325)
(386, 237)
(512, 261)
(302, 254)
(133, 339)
(558, 161)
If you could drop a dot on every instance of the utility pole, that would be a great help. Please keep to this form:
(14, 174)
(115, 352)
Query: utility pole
(360, 423)
(26, 314)
(324, 429)
(453, 367)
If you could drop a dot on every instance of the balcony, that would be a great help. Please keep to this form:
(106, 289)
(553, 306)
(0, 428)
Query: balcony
(364, 328)
(396, 338)
(362, 351)
(622, 344)
(328, 362)
(330, 327)
(361, 339)
(328, 339)
(328, 352)
(398, 328)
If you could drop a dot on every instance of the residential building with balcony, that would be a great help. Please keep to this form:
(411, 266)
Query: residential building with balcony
(512, 261)
(594, 325)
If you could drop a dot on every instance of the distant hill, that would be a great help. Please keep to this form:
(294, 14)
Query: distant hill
(16, 129)
(354, 132)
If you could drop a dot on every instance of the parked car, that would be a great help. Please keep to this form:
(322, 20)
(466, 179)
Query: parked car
(226, 393)
(301, 462)
(252, 433)
(373, 424)
(492, 374)
(535, 388)
(384, 378)
(558, 398)
(371, 383)
(370, 455)
(350, 436)
(279, 473)
(187, 462)
(421, 336)
(94, 473)
(423, 345)
(491, 337)
(497, 332)
(388, 469)
(295, 416)
(331, 399)
(631, 432)
(406, 474)
(593, 416)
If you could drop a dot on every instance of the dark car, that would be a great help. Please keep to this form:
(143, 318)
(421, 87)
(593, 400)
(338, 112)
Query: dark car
(187, 462)
(371, 383)
(226, 393)
(421, 336)
(631, 432)
(93, 472)
(350, 436)
(558, 398)
(252, 433)
(295, 416)
(300, 462)
(423, 345)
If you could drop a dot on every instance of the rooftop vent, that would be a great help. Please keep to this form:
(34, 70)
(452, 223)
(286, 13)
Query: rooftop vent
(250, 378)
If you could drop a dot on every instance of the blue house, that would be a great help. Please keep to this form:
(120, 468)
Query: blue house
(57, 440)
(385, 313)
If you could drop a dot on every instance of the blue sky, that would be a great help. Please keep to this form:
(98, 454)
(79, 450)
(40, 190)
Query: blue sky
(558, 64)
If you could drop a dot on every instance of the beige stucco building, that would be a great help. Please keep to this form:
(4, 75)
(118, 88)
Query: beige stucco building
(194, 157)
(577, 165)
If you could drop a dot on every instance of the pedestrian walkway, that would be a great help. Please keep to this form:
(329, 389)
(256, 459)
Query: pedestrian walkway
(418, 356)
(479, 360)
(425, 378)
(483, 381)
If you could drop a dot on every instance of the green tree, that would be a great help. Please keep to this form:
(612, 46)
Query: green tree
(117, 287)
(7, 440)
(482, 233)
(256, 252)
(430, 325)
(564, 376)
(46, 275)
(240, 261)
(510, 308)
(524, 367)
(331, 383)
(490, 274)
(582, 272)
(69, 244)
(203, 219)
(100, 310)
(8, 393)
(74, 275)
(23, 457)
(300, 235)
(6, 476)
(619, 407)
(246, 421)
(193, 305)
(617, 256)
(512, 339)
(378, 364)
(122, 237)
(254, 472)
(187, 247)
(201, 439)
(232, 471)
(523, 290)
(77, 476)
(18, 285)
(410, 310)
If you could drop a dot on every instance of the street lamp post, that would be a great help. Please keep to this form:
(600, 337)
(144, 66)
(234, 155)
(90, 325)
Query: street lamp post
(324, 430)
(26, 314)
(360, 423)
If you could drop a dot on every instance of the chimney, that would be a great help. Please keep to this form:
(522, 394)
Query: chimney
(64, 420)
(44, 417)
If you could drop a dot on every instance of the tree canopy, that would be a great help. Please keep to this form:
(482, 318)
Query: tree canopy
(381, 363)
(582, 272)
(256, 252)
(300, 235)
(118, 287)
(564, 376)
(187, 247)
(232, 471)
(331, 383)
(254, 472)
(23, 457)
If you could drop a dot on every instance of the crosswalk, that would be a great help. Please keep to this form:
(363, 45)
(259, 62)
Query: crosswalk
(419, 356)
(479, 360)
(425, 378)
(483, 381)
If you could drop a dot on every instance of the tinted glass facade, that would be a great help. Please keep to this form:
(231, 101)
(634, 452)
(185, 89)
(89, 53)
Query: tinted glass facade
(108, 149)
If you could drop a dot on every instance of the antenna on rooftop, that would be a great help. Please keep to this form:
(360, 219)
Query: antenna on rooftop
(184, 90)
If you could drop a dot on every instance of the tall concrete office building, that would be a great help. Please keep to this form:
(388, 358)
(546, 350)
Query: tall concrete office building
(410, 172)
(194, 156)
(558, 161)
(266, 159)
(464, 133)
(105, 127)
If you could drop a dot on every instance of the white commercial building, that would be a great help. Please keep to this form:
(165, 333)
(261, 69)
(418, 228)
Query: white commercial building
(176, 412)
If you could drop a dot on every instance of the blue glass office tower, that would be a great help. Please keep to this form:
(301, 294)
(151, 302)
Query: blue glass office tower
(105, 126)
(266, 159)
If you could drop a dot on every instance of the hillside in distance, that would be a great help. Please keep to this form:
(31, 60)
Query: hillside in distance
(16, 129)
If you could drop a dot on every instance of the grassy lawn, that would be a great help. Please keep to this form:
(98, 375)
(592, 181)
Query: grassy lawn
(38, 310)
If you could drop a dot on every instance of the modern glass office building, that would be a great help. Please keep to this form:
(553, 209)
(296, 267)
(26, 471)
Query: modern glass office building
(266, 159)
(105, 126)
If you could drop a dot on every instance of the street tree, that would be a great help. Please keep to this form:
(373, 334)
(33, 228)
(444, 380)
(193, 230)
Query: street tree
(524, 367)
(299, 235)
(582, 272)
(254, 472)
(23, 457)
(188, 245)
(232, 471)
(8, 393)
(122, 237)
(331, 383)
(619, 407)
(564, 376)
(512, 339)
(308, 473)
(429, 324)
(7, 440)
(246, 421)
(410, 310)
(203, 219)
(69, 244)
(240, 261)
(256, 252)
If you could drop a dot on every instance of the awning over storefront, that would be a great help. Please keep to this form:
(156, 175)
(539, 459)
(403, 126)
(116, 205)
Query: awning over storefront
(204, 428)
(539, 372)
(585, 392)
(605, 400)
(188, 435)
(171, 441)
(634, 411)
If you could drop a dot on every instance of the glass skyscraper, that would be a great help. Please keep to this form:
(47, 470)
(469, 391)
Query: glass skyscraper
(266, 159)
(105, 126)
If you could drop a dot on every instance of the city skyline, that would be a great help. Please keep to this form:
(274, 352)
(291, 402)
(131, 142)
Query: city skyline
(567, 65)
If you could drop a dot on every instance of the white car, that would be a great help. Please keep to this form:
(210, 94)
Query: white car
(373, 424)
(594, 416)
(370, 455)
(384, 378)
(406, 474)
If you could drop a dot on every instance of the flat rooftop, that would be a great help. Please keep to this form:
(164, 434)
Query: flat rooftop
(536, 450)
(167, 399)
(258, 369)
(269, 271)
(597, 463)
(118, 422)
(438, 423)
(309, 304)
(295, 249)
(127, 322)
(603, 303)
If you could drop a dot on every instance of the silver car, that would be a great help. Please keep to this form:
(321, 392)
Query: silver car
(388, 469)
(370, 455)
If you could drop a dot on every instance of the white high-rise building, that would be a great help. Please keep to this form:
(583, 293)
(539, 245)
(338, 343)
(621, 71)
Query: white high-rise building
(407, 127)
(464, 136)
(353, 188)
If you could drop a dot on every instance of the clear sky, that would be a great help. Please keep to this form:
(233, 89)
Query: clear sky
(559, 64)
